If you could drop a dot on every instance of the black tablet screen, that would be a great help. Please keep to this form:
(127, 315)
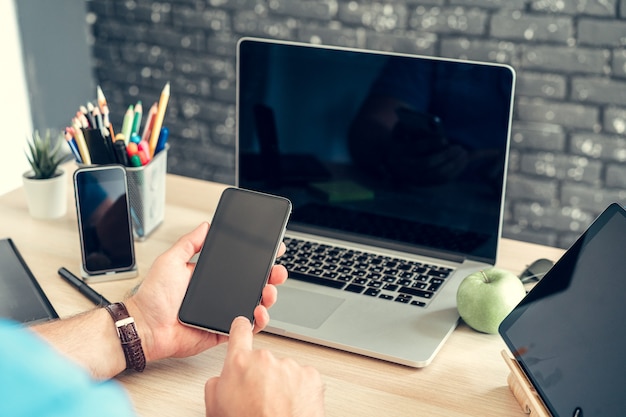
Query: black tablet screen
(568, 334)
(21, 297)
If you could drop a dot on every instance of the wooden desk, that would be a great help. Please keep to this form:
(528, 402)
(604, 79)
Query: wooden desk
(467, 378)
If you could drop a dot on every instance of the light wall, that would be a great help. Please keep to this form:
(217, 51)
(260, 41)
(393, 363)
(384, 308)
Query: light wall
(15, 120)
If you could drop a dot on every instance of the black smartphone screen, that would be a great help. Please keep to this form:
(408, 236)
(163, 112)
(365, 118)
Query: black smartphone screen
(104, 220)
(236, 259)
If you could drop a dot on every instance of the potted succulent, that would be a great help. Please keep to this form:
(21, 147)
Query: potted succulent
(45, 184)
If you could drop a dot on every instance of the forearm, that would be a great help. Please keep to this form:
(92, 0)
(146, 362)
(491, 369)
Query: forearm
(90, 339)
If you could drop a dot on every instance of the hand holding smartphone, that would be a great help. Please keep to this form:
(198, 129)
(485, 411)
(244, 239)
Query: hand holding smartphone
(236, 259)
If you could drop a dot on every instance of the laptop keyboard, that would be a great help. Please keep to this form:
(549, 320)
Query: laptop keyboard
(384, 277)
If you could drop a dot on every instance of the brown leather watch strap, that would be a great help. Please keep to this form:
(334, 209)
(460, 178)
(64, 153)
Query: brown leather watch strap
(127, 332)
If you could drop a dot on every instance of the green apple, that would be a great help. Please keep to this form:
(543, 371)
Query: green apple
(486, 297)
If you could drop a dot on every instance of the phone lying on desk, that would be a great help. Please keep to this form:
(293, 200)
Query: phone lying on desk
(236, 259)
(104, 223)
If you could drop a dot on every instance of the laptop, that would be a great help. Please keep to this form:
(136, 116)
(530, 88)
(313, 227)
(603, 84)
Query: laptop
(395, 165)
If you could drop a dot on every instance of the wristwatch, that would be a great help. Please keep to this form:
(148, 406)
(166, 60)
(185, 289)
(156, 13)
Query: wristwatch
(127, 332)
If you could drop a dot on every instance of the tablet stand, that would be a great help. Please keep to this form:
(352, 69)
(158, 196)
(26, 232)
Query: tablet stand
(523, 391)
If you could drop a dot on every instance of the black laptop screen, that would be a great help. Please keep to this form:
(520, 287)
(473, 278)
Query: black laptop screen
(402, 151)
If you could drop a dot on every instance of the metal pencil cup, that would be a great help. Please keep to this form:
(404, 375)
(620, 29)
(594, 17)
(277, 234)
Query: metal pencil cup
(146, 189)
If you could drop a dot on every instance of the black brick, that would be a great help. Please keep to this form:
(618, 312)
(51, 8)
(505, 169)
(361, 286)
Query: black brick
(591, 7)
(456, 20)
(309, 9)
(611, 148)
(534, 189)
(348, 37)
(252, 24)
(599, 90)
(377, 16)
(589, 198)
(222, 44)
(410, 43)
(492, 4)
(616, 176)
(564, 59)
(532, 84)
(426, 2)
(514, 25)
(601, 32)
(211, 19)
(566, 114)
(537, 136)
(618, 66)
(561, 219)
(614, 120)
(559, 166)
(479, 50)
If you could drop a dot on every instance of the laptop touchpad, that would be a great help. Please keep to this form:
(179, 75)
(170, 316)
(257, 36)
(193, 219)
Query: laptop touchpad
(303, 308)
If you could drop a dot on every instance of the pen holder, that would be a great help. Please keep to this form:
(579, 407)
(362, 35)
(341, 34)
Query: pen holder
(146, 189)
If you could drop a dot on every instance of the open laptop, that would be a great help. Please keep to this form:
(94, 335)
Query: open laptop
(395, 165)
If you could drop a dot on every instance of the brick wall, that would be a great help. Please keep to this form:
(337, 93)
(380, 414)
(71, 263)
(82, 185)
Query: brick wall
(568, 144)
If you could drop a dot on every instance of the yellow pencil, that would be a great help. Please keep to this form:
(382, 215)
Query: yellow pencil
(158, 118)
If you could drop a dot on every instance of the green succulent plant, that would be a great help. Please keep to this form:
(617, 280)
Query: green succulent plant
(45, 154)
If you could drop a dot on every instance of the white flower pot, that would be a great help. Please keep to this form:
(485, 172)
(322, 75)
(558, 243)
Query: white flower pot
(46, 199)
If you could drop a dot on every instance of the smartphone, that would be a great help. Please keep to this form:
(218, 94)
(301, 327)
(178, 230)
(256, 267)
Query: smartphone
(104, 223)
(236, 259)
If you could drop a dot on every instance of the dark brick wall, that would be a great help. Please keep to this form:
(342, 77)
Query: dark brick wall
(568, 144)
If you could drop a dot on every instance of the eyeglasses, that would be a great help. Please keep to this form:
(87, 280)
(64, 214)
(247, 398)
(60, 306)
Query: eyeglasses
(536, 270)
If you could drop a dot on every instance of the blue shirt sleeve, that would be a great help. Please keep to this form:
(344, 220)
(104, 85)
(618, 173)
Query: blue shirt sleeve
(36, 380)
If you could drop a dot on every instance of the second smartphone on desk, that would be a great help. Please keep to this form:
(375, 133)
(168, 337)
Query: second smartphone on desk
(236, 259)
(104, 223)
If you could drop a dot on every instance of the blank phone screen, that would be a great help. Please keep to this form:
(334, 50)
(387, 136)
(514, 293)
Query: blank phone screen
(104, 219)
(236, 259)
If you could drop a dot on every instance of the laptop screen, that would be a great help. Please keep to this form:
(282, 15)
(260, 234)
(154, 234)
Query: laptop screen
(399, 151)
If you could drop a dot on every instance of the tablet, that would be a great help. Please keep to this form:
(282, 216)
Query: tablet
(568, 333)
(21, 297)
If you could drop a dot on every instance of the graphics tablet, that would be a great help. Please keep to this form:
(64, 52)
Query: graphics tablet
(568, 333)
(21, 297)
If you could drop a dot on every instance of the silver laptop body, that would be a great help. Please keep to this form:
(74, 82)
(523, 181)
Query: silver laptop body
(399, 156)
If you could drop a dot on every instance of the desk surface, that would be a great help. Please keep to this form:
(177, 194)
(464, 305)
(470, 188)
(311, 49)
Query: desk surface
(467, 378)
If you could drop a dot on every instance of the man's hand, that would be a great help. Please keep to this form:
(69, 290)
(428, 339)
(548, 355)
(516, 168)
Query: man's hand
(254, 383)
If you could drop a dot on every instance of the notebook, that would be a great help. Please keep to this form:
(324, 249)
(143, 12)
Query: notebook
(395, 165)
(21, 296)
(567, 334)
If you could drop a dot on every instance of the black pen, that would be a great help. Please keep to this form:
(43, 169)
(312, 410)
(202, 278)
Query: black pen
(84, 289)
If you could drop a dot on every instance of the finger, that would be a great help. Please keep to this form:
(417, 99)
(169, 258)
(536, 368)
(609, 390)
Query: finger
(270, 295)
(261, 318)
(278, 275)
(240, 337)
(191, 243)
(210, 388)
(281, 249)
